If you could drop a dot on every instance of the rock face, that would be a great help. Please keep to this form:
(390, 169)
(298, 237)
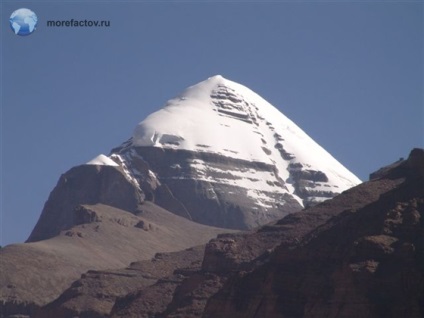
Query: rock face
(358, 254)
(228, 158)
(367, 261)
(85, 184)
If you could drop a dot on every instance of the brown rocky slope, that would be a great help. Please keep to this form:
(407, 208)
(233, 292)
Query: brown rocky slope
(359, 254)
(365, 262)
(104, 237)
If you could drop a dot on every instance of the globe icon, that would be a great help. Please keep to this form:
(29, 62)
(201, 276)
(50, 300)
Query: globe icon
(23, 21)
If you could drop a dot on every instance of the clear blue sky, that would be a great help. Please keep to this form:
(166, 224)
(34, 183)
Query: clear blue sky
(349, 74)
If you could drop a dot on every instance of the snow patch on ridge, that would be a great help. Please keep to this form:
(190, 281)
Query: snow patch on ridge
(129, 173)
(102, 160)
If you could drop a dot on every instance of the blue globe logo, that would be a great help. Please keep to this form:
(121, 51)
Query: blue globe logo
(23, 21)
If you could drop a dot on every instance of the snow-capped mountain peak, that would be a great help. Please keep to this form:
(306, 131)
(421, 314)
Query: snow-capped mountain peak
(240, 150)
(212, 116)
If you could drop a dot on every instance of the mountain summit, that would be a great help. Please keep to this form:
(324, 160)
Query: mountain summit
(229, 158)
(218, 154)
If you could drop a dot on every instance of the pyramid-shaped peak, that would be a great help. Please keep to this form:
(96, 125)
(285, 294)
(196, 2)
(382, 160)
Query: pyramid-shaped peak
(217, 77)
(213, 112)
(207, 87)
(235, 149)
(223, 117)
(218, 80)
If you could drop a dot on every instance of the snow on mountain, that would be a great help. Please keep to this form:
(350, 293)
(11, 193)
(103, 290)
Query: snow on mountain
(224, 117)
(221, 137)
(102, 160)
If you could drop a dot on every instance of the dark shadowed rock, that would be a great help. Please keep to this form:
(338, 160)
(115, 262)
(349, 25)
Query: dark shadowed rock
(367, 261)
(85, 184)
(213, 203)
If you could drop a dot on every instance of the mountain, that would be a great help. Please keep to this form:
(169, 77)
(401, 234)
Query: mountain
(229, 158)
(358, 254)
(218, 154)
(246, 162)
(214, 160)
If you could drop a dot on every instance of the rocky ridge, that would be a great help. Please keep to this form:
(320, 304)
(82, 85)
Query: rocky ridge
(360, 252)
(367, 261)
